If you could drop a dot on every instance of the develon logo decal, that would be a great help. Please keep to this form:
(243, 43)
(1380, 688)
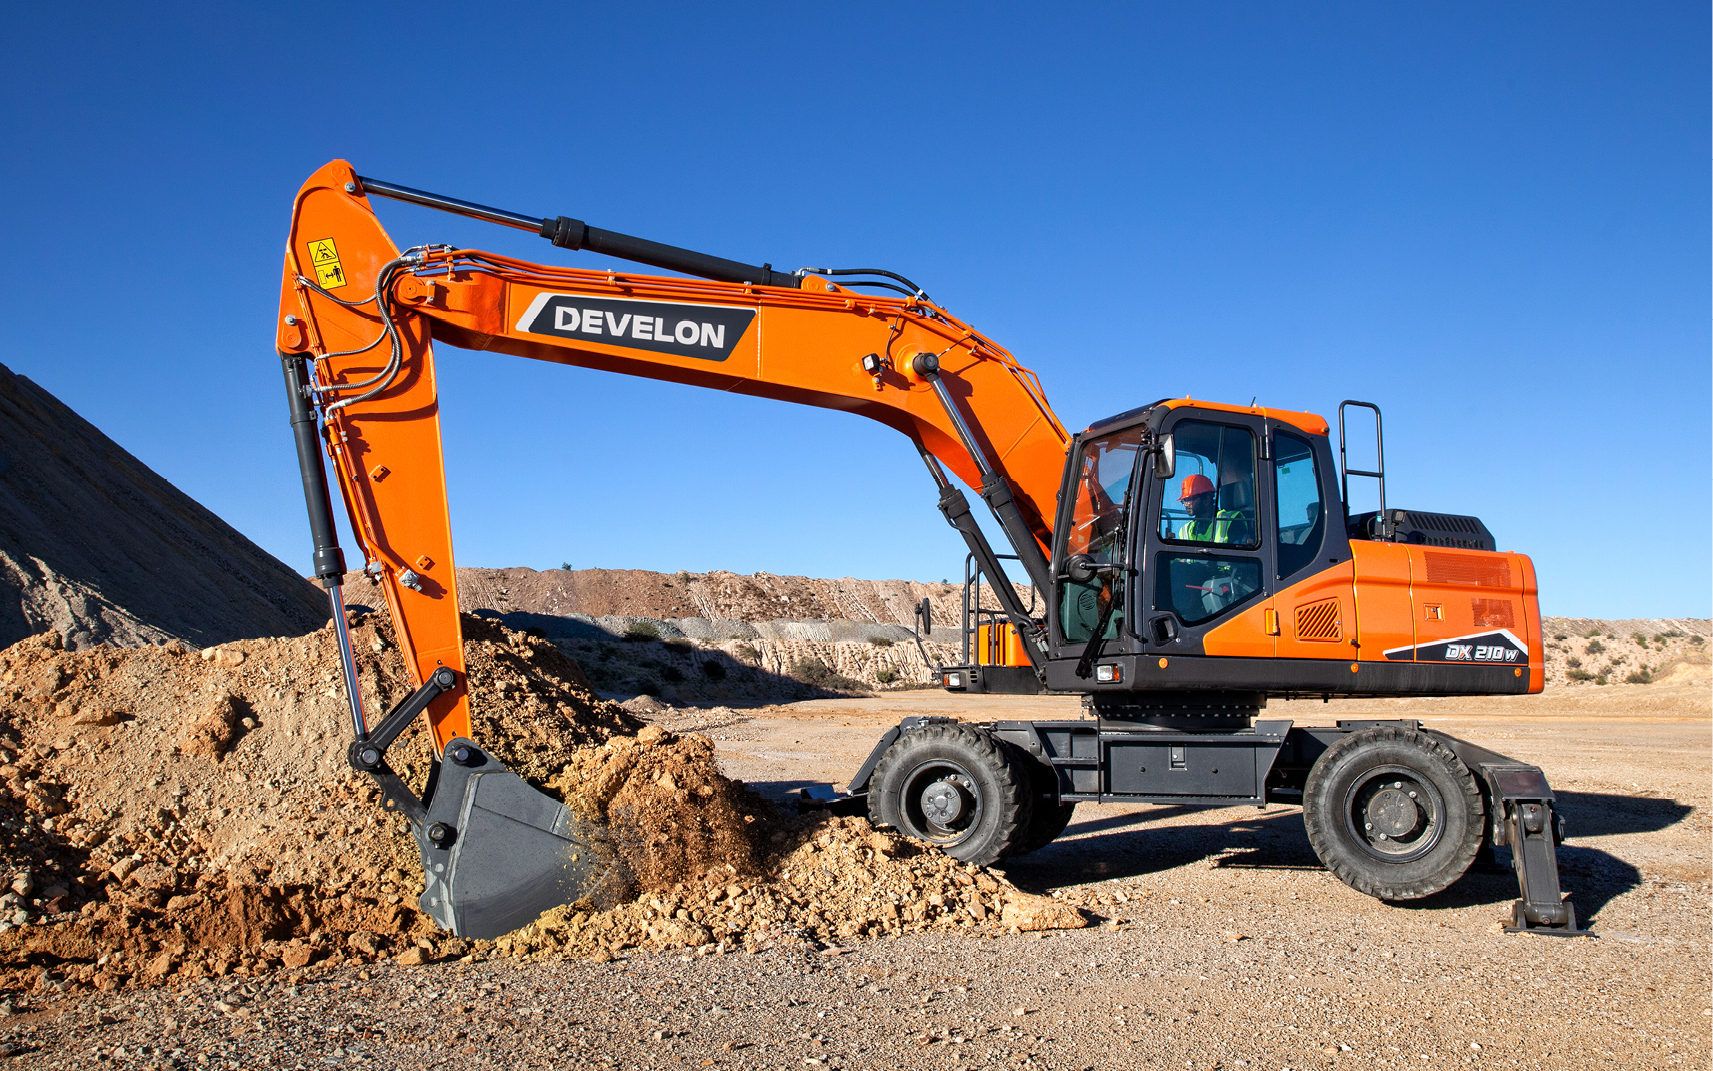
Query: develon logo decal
(708, 332)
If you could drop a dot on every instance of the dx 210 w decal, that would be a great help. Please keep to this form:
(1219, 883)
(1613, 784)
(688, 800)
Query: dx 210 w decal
(707, 332)
(1498, 647)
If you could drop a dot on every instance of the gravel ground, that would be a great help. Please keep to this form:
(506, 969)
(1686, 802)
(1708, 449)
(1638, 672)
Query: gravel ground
(1222, 944)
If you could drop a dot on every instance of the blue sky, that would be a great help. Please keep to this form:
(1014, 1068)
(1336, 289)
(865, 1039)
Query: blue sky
(1490, 219)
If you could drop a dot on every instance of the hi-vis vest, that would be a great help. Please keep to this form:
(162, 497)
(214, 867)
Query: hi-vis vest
(1215, 529)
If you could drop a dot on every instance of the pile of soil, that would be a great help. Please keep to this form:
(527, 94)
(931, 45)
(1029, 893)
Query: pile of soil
(178, 813)
(97, 547)
(823, 881)
(168, 814)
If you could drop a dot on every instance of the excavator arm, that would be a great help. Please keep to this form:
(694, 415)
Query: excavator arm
(358, 320)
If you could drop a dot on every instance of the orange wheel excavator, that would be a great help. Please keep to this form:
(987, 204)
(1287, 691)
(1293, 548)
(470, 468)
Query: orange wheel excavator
(1187, 561)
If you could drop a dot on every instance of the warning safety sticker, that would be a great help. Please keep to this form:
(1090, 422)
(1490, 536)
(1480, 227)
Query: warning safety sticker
(324, 256)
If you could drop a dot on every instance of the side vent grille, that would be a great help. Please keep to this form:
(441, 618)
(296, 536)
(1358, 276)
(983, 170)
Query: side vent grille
(1318, 621)
(1493, 613)
(1466, 570)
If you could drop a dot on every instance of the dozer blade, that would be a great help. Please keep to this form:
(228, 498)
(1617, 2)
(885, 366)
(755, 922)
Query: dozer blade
(497, 853)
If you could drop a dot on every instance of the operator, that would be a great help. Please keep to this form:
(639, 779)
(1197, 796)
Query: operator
(1207, 524)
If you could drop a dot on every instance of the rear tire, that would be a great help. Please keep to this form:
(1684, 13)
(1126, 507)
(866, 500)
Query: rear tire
(1393, 813)
(1050, 817)
(955, 787)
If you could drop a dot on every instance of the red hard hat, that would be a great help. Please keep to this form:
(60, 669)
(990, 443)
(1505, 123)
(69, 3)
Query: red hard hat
(1195, 485)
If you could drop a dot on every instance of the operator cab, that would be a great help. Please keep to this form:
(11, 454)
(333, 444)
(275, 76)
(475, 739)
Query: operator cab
(1203, 561)
(1226, 505)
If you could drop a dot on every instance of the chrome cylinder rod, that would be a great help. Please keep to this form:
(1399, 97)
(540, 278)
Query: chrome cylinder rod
(450, 204)
(347, 662)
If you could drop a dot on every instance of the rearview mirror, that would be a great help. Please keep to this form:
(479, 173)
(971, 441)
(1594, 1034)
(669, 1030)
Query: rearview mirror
(925, 616)
(1165, 458)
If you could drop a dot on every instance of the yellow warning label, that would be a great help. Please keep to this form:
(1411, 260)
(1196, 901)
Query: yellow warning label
(324, 255)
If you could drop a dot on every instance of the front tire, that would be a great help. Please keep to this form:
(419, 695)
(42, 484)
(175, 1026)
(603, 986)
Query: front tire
(955, 787)
(1393, 813)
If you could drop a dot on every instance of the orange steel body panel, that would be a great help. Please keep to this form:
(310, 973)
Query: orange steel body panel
(1391, 596)
(1385, 618)
(800, 345)
(1269, 629)
(1534, 627)
(1246, 635)
(1298, 606)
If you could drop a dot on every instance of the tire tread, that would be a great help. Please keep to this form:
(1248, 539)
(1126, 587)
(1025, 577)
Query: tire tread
(1011, 812)
(1323, 823)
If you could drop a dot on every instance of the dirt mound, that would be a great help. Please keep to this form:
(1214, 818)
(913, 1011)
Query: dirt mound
(670, 813)
(827, 880)
(167, 814)
(100, 549)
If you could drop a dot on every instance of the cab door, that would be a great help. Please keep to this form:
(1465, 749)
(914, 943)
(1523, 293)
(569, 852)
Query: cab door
(1207, 556)
(1314, 612)
(1101, 481)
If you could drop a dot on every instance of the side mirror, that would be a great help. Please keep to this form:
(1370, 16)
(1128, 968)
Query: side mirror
(1165, 458)
(925, 616)
(1080, 568)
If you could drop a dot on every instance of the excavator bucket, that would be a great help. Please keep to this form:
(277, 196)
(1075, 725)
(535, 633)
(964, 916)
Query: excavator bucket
(497, 854)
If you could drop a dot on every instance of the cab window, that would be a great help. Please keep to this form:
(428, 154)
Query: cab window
(1211, 500)
(1301, 512)
(1202, 587)
(1104, 470)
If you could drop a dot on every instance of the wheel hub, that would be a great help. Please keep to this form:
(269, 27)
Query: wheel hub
(942, 803)
(1395, 813)
(1392, 812)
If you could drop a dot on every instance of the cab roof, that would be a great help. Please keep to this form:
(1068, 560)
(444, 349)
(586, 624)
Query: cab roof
(1308, 422)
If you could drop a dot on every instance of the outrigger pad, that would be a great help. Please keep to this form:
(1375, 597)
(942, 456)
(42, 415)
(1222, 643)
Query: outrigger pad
(497, 853)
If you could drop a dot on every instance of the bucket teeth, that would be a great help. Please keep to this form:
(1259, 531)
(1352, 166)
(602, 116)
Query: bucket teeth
(497, 854)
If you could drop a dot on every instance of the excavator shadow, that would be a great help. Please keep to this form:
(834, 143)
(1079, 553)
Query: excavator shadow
(1592, 878)
(1130, 843)
(673, 669)
(783, 793)
(1133, 844)
(1604, 814)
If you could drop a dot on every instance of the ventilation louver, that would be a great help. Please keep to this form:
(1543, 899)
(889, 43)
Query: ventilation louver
(1318, 621)
(1467, 570)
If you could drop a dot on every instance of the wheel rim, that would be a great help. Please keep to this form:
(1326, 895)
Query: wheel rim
(1394, 813)
(941, 802)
